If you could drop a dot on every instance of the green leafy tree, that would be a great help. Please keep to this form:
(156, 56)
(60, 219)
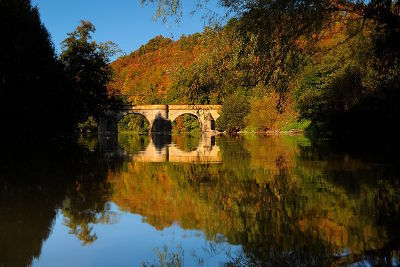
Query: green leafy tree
(233, 113)
(353, 88)
(87, 65)
(215, 73)
(88, 126)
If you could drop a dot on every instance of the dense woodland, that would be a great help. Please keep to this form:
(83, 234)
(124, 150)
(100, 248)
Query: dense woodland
(330, 66)
(279, 65)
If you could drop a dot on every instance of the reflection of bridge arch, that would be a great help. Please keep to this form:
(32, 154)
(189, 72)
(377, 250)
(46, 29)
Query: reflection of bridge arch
(160, 149)
(186, 142)
(206, 152)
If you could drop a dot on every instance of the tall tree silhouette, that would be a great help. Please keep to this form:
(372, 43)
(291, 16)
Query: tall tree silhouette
(87, 66)
(34, 97)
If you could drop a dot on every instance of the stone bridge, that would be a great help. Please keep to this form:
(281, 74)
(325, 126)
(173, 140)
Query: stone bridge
(160, 117)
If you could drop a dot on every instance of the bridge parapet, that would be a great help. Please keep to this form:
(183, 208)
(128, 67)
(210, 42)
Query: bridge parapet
(194, 107)
(149, 107)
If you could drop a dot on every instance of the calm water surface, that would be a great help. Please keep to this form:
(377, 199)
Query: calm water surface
(200, 201)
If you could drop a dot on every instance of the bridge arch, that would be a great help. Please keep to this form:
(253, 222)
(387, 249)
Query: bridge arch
(174, 115)
(133, 112)
(155, 115)
(186, 123)
(205, 114)
(129, 114)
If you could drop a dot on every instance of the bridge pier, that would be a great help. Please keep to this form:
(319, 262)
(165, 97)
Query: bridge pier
(206, 124)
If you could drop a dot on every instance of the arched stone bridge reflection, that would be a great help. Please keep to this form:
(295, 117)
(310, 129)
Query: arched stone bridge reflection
(160, 117)
(206, 152)
(161, 149)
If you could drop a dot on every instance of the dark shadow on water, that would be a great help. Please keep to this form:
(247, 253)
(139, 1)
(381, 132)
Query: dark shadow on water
(36, 182)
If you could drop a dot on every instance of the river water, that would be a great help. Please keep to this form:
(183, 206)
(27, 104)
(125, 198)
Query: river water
(200, 201)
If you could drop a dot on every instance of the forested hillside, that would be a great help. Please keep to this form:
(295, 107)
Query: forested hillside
(280, 65)
(145, 75)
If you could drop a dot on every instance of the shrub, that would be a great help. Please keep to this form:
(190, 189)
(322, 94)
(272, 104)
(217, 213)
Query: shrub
(271, 113)
(233, 113)
(88, 126)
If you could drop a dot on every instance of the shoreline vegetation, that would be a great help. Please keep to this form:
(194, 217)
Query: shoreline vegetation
(215, 132)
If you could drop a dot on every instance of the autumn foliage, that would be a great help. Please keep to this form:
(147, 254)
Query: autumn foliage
(145, 76)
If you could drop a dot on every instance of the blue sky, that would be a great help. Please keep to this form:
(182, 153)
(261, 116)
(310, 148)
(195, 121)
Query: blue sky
(124, 22)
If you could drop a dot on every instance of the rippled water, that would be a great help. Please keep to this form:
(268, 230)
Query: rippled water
(200, 201)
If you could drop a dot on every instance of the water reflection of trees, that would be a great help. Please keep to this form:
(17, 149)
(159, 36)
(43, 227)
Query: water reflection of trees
(133, 143)
(285, 201)
(34, 185)
(186, 142)
(268, 196)
(86, 201)
(28, 202)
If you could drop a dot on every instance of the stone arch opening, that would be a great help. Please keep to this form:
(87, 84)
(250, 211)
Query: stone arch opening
(133, 122)
(186, 123)
(213, 123)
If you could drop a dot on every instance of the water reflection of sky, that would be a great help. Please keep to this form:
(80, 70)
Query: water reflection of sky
(130, 242)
